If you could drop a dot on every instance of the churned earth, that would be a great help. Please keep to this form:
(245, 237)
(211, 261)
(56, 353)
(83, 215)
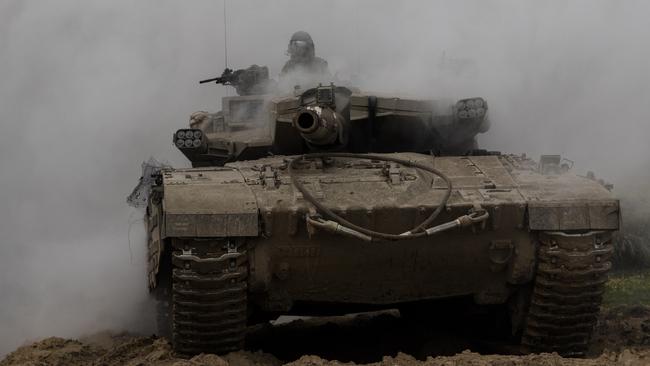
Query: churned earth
(622, 337)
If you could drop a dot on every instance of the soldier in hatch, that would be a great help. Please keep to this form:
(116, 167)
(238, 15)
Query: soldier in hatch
(303, 56)
(303, 69)
(304, 66)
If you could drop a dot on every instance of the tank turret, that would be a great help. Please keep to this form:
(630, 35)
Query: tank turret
(327, 118)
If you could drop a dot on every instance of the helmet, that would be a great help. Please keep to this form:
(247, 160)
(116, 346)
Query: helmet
(301, 46)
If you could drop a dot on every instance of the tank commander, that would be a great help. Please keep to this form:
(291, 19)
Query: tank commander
(303, 57)
(302, 69)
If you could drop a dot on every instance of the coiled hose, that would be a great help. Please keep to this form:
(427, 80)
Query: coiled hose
(349, 228)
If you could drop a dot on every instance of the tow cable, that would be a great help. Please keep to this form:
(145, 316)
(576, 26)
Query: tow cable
(337, 224)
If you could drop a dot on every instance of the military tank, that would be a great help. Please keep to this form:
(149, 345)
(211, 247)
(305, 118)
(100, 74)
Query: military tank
(332, 200)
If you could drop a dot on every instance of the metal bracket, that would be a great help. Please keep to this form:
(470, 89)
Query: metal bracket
(269, 177)
(553, 164)
(394, 173)
(500, 253)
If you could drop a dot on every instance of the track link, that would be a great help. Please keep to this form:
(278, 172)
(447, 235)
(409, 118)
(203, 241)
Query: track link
(567, 293)
(209, 295)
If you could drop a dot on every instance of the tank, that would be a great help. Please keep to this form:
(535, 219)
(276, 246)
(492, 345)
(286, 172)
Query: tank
(332, 200)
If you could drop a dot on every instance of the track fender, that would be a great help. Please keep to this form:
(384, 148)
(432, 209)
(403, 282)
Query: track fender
(208, 203)
(573, 215)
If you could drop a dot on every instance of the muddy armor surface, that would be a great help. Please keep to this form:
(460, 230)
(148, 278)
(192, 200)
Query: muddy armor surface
(334, 200)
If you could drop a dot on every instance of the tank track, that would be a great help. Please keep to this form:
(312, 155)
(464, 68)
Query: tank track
(162, 294)
(567, 293)
(209, 295)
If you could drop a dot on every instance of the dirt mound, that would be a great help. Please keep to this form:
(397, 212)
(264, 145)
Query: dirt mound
(53, 351)
(621, 328)
(106, 349)
(468, 358)
(621, 338)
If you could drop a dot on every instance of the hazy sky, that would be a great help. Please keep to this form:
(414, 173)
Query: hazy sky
(89, 89)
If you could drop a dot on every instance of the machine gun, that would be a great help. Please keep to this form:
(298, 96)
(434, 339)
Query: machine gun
(251, 80)
(228, 76)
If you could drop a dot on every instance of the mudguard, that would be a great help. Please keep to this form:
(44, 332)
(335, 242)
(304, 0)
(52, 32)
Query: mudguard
(213, 202)
(560, 216)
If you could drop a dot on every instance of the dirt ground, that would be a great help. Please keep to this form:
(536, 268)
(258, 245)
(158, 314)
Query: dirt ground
(621, 338)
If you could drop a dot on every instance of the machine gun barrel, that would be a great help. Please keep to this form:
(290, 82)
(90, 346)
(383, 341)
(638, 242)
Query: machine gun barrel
(227, 77)
(217, 79)
(320, 126)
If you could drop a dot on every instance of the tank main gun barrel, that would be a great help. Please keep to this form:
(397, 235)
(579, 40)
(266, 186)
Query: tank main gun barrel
(320, 126)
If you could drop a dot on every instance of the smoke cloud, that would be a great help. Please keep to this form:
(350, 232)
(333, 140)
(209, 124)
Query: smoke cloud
(91, 89)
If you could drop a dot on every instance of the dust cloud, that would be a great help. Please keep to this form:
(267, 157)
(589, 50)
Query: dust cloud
(88, 90)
